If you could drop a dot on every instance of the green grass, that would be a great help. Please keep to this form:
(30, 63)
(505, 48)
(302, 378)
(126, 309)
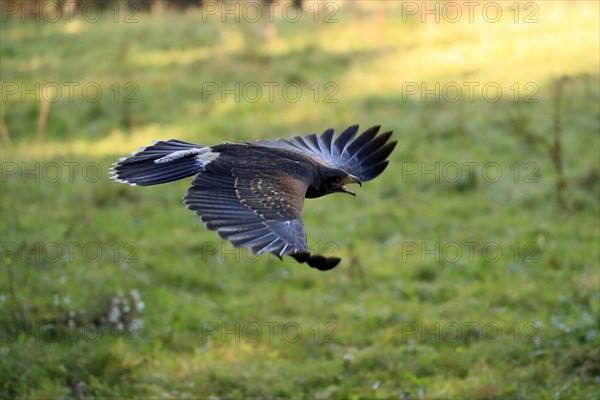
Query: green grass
(495, 327)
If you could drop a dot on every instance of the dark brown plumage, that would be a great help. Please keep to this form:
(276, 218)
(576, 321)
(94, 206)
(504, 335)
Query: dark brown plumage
(253, 193)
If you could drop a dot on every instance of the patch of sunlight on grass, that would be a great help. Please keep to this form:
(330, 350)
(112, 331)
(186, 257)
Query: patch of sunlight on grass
(116, 142)
(239, 351)
(120, 143)
(236, 352)
(232, 38)
(73, 27)
(478, 54)
(171, 57)
(282, 46)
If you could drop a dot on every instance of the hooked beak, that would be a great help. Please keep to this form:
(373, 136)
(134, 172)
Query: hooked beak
(350, 179)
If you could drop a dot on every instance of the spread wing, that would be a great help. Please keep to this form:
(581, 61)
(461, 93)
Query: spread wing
(364, 156)
(261, 211)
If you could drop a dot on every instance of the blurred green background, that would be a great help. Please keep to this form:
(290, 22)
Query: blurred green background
(472, 286)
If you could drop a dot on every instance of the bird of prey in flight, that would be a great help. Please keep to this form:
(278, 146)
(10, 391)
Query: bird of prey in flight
(253, 193)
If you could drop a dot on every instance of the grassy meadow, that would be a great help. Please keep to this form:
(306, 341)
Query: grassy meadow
(470, 267)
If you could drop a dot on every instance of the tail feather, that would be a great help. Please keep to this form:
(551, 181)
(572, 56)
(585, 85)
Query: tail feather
(164, 161)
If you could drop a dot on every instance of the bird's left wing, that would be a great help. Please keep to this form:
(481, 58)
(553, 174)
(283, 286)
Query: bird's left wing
(364, 156)
(261, 211)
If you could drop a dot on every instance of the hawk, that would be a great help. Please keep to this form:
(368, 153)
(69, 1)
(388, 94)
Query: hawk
(253, 193)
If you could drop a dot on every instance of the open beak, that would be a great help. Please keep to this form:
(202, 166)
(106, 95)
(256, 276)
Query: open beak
(351, 179)
(346, 190)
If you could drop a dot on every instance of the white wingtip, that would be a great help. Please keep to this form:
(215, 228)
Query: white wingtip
(115, 179)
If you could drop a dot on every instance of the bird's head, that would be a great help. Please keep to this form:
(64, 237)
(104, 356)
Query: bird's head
(338, 179)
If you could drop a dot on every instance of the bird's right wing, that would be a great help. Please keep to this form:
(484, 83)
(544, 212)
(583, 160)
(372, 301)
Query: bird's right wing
(261, 211)
(364, 156)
